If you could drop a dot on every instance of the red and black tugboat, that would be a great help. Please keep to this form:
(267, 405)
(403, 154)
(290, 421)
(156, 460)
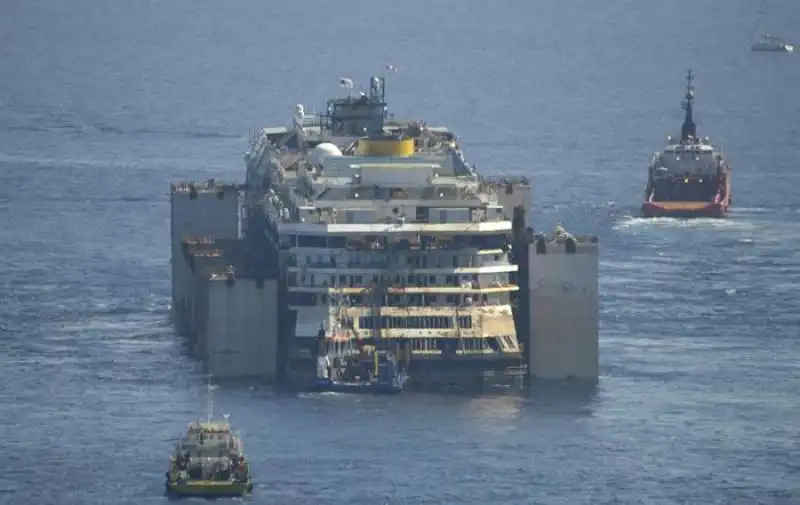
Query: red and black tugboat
(689, 178)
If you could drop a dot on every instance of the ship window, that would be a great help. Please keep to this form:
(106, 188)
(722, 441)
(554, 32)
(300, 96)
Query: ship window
(337, 242)
(311, 241)
(302, 299)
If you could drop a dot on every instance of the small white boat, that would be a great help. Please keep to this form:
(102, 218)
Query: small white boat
(773, 44)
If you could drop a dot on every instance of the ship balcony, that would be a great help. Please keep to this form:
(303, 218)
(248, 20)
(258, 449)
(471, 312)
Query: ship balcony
(458, 352)
(395, 228)
(467, 288)
(383, 255)
(476, 311)
(507, 333)
(408, 334)
(353, 268)
(325, 257)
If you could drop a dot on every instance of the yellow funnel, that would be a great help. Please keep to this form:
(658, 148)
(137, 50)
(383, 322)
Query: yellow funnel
(386, 147)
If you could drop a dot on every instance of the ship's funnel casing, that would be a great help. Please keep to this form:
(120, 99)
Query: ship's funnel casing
(386, 146)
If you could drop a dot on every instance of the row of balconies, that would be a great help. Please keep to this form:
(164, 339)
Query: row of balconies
(468, 281)
(360, 260)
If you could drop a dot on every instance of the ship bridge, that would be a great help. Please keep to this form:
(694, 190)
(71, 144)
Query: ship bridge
(355, 116)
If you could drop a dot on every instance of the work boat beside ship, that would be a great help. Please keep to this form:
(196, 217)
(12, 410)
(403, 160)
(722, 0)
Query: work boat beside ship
(346, 364)
(689, 178)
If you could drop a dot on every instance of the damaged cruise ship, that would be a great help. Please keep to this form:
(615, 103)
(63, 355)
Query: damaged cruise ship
(384, 233)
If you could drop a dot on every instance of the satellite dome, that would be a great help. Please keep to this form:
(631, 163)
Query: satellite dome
(322, 151)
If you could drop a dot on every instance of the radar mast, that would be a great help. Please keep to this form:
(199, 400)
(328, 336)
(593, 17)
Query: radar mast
(688, 129)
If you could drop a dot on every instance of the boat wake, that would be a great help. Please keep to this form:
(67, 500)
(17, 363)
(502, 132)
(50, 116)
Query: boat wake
(321, 394)
(632, 222)
(750, 210)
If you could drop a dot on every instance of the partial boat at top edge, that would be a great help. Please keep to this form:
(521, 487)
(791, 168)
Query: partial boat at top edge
(688, 178)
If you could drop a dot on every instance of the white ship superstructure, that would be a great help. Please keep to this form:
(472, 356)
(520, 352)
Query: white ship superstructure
(388, 216)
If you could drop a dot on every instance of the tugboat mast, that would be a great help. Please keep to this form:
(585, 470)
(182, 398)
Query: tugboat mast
(688, 129)
(210, 401)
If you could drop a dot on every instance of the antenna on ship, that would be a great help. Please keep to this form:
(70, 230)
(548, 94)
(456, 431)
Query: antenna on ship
(210, 400)
(347, 83)
(689, 129)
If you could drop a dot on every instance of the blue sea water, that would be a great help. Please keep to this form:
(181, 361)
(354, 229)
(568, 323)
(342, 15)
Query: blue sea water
(103, 103)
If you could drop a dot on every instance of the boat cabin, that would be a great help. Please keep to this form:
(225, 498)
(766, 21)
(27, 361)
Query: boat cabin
(209, 440)
(699, 159)
(210, 451)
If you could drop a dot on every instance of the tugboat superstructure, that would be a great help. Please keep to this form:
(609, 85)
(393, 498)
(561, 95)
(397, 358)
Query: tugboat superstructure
(388, 216)
(689, 178)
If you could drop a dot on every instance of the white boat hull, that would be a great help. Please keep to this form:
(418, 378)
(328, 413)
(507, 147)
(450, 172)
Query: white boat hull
(772, 47)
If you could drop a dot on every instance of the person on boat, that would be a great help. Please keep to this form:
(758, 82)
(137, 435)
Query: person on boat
(238, 467)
